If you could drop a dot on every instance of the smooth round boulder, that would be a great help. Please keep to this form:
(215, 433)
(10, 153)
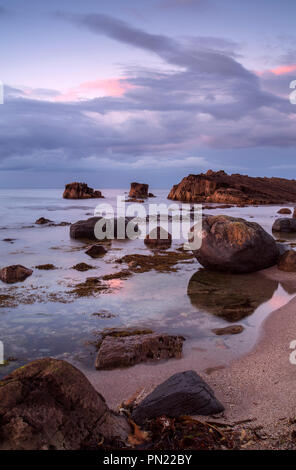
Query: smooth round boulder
(50, 405)
(287, 261)
(158, 238)
(119, 228)
(286, 224)
(15, 273)
(234, 245)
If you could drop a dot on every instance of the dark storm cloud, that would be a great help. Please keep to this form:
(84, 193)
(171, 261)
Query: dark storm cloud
(205, 98)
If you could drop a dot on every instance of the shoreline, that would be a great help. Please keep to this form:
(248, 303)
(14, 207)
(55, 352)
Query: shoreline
(259, 386)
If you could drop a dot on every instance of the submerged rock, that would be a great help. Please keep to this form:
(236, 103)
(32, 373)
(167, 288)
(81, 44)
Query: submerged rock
(287, 261)
(118, 351)
(15, 273)
(284, 225)
(82, 267)
(229, 330)
(85, 229)
(80, 191)
(42, 221)
(49, 404)
(95, 251)
(185, 393)
(235, 245)
(45, 267)
(158, 238)
(233, 189)
(229, 296)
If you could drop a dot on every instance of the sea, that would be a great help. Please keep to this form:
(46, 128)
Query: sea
(42, 318)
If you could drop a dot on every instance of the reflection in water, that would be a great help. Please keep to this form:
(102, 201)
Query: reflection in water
(230, 296)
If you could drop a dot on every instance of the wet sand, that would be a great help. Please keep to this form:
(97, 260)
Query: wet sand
(260, 386)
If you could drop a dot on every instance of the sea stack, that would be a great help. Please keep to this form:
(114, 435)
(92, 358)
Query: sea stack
(219, 187)
(140, 191)
(80, 191)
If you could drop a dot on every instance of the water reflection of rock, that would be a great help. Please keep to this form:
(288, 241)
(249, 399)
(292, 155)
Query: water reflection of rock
(229, 296)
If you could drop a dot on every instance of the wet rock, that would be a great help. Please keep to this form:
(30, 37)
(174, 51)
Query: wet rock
(42, 221)
(82, 267)
(49, 404)
(294, 213)
(158, 238)
(184, 393)
(229, 330)
(45, 267)
(284, 225)
(233, 189)
(287, 261)
(85, 229)
(15, 273)
(129, 350)
(235, 245)
(229, 296)
(80, 191)
(95, 251)
(285, 210)
(139, 190)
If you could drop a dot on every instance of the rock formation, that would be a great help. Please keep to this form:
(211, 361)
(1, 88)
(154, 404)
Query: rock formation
(129, 350)
(49, 404)
(287, 261)
(158, 238)
(80, 191)
(184, 393)
(15, 273)
(235, 245)
(140, 191)
(220, 187)
(85, 229)
(284, 224)
(95, 251)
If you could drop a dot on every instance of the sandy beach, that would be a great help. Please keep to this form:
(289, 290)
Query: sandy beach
(258, 387)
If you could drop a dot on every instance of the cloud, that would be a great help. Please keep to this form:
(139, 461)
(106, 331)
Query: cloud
(151, 118)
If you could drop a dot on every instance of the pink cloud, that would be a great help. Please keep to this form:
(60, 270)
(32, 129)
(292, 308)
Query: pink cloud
(108, 87)
(280, 70)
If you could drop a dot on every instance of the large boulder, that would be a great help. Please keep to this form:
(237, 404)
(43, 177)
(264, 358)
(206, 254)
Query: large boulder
(285, 224)
(85, 229)
(129, 350)
(80, 191)
(184, 393)
(15, 273)
(220, 187)
(235, 245)
(139, 190)
(49, 404)
(287, 261)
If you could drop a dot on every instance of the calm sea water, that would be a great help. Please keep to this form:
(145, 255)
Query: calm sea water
(43, 323)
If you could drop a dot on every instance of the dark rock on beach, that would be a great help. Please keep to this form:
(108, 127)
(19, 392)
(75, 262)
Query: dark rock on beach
(235, 245)
(85, 229)
(95, 251)
(16, 273)
(286, 224)
(118, 351)
(80, 191)
(50, 405)
(158, 238)
(222, 188)
(45, 267)
(184, 393)
(287, 261)
(82, 267)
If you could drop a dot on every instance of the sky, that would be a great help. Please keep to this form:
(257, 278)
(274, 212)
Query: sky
(110, 92)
